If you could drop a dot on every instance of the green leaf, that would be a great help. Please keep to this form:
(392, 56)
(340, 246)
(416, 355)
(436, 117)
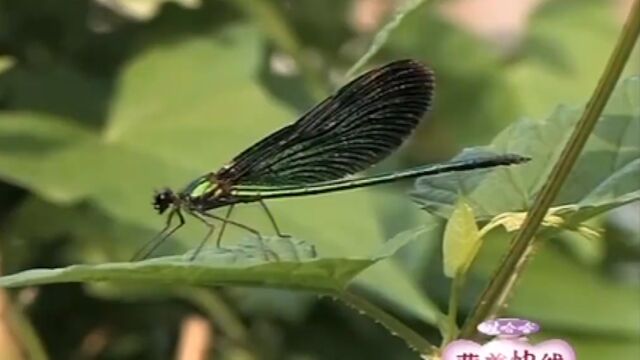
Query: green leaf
(590, 190)
(273, 262)
(461, 239)
(57, 90)
(29, 147)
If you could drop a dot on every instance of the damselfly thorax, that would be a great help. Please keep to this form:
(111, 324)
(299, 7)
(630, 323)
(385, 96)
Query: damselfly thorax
(206, 192)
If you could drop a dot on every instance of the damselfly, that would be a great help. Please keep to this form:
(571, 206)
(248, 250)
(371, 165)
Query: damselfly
(359, 125)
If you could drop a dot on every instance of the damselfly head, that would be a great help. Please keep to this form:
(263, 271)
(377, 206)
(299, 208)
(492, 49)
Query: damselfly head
(163, 199)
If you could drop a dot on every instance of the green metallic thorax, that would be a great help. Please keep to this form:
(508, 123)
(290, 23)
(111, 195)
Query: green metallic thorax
(199, 187)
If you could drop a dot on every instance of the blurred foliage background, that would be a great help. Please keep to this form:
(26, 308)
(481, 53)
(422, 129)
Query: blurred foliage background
(102, 101)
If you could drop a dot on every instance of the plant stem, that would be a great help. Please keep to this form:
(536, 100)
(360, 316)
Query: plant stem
(381, 36)
(500, 286)
(395, 326)
(452, 329)
(273, 23)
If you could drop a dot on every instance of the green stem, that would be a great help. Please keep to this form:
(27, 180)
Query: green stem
(273, 23)
(494, 296)
(381, 36)
(452, 329)
(395, 326)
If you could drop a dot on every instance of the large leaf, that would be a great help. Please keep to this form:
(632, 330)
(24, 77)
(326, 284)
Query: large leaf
(274, 262)
(184, 108)
(29, 145)
(58, 90)
(614, 147)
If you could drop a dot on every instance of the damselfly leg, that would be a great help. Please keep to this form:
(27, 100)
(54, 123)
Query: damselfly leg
(226, 220)
(202, 216)
(234, 223)
(160, 237)
(273, 220)
(211, 227)
(227, 217)
(224, 225)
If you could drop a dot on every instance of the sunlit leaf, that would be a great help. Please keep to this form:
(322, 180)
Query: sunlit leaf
(461, 237)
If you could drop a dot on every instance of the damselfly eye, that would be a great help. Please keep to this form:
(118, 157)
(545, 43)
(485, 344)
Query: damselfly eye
(162, 200)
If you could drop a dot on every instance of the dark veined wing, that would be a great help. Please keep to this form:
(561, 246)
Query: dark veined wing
(362, 123)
